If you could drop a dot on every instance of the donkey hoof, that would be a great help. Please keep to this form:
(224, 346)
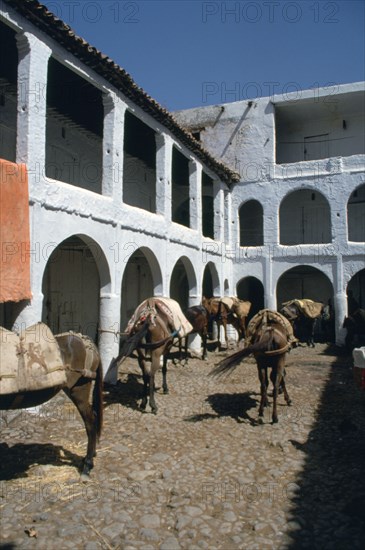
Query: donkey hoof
(275, 420)
(85, 477)
(261, 420)
(166, 390)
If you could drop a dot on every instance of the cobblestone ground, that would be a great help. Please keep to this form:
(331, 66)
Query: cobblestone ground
(200, 474)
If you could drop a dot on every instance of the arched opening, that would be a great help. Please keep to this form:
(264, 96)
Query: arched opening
(71, 285)
(179, 285)
(142, 279)
(251, 224)
(310, 283)
(356, 215)
(252, 290)
(305, 218)
(356, 292)
(183, 282)
(210, 281)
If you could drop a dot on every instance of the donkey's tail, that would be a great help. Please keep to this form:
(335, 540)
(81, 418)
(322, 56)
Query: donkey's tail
(131, 343)
(97, 400)
(231, 362)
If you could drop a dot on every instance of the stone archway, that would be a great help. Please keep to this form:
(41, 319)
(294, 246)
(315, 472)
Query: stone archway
(356, 215)
(74, 274)
(251, 289)
(307, 282)
(210, 285)
(305, 218)
(183, 282)
(356, 292)
(141, 279)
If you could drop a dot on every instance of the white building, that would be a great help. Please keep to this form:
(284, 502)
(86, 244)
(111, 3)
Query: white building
(125, 203)
(298, 213)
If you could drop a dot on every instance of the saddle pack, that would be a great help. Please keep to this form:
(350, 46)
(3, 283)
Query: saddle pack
(265, 317)
(307, 307)
(169, 307)
(30, 360)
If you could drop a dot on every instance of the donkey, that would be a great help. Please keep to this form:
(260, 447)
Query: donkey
(80, 375)
(303, 324)
(270, 344)
(224, 314)
(152, 330)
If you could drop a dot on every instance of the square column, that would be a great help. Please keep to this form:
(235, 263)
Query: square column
(32, 105)
(163, 175)
(218, 207)
(113, 147)
(195, 196)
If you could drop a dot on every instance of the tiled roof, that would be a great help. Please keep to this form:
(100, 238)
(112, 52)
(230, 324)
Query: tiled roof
(58, 30)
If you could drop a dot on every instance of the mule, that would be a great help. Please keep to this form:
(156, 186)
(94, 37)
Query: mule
(152, 331)
(269, 346)
(303, 325)
(220, 312)
(198, 317)
(355, 328)
(87, 399)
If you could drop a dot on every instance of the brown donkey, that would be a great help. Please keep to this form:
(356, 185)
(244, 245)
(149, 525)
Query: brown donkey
(151, 331)
(82, 364)
(269, 345)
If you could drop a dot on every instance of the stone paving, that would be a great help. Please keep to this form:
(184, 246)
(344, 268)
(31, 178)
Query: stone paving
(202, 473)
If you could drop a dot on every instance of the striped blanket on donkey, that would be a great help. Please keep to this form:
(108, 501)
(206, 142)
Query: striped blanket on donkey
(30, 361)
(170, 307)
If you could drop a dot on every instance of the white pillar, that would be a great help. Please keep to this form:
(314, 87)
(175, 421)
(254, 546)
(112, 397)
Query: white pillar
(195, 190)
(218, 211)
(113, 147)
(32, 105)
(163, 175)
(340, 302)
(340, 306)
(31, 146)
(109, 328)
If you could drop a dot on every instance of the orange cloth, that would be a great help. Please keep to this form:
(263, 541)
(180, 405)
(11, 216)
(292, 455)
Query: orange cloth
(14, 233)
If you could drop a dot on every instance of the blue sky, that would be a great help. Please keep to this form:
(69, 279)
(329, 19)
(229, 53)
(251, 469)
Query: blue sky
(196, 53)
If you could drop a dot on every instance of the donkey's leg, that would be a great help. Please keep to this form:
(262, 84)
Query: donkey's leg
(275, 377)
(204, 342)
(80, 396)
(225, 332)
(312, 327)
(164, 374)
(263, 388)
(281, 369)
(219, 345)
(155, 365)
(146, 378)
